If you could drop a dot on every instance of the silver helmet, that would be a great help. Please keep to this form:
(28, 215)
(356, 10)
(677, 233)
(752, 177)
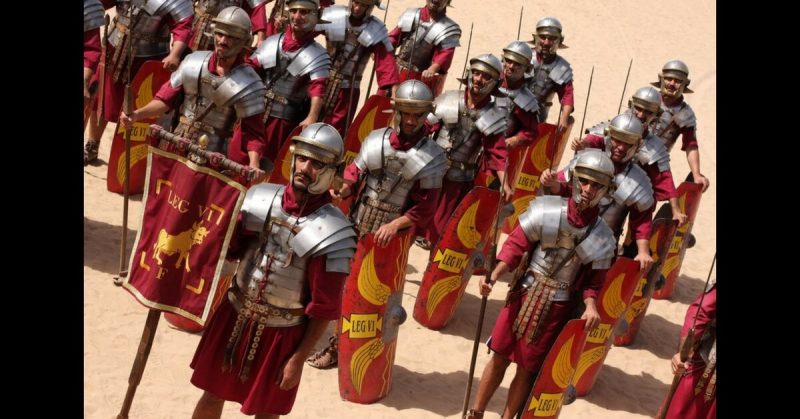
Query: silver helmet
(549, 26)
(370, 5)
(486, 63)
(439, 6)
(592, 164)
(519, 52)
(649, 99)
(625, 128)
(321, 142)
(413, 96)
(235, 23)
(676, 69)
(313, 18)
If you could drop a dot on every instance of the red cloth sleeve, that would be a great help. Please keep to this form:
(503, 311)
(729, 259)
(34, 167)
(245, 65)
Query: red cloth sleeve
(326, 290)
(566, 94)
(316, 88)
(258, 18)
(663, 183)
(251, 129)
(423, 208)
(527, 126)
(180, 30)
(515, 246)
(352, 172)
(594, 141)
(443, 57)
(385, 66)
(592, 282)
(705, 314)
(495, 153)
(640, 222)
(688, 138)
(167, 94)
(394, 37)
(91, 49)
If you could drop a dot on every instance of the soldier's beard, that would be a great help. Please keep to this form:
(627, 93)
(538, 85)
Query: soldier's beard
(229, 51)
(300, 186)
(408, 131)
(514, 76)
(585, 203)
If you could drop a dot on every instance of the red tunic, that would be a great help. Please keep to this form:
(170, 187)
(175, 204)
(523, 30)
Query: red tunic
(260, 394)
(387, 75)
(685, 404)
(114, 93)
(441, 56)
(422, 202)
(248, 133)
(530, 356)
(494, 159)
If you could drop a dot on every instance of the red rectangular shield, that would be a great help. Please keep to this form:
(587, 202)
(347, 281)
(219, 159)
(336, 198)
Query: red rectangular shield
(145, 85)
(187, 223)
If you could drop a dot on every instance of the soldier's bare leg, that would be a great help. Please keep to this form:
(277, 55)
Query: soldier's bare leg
(96, 129)
(518, 392)
(267, 416)
(490, 379)
(208, 407)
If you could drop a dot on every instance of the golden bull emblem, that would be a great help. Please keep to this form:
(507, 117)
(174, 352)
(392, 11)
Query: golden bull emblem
(181, 243)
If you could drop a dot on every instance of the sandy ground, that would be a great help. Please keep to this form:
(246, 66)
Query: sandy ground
(600, 33)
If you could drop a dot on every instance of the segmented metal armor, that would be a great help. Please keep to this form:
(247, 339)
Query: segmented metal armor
(544, 78)
(93, 14)
(391, 176)
(272, 273)
(545, 222)
(460, 135)
(348, 45)
(672, 120)
(444, 33)
(213, 103)
(284, 69)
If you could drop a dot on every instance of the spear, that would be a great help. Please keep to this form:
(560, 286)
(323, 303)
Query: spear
(128, 101)
(687, 346)
(502, 213)
(519, 26)
(414, 44)
(372, 73)
(625, 86)
(469, 44)
(586, 105)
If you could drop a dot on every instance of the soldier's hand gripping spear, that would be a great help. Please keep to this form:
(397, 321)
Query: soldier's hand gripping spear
(686, 347)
